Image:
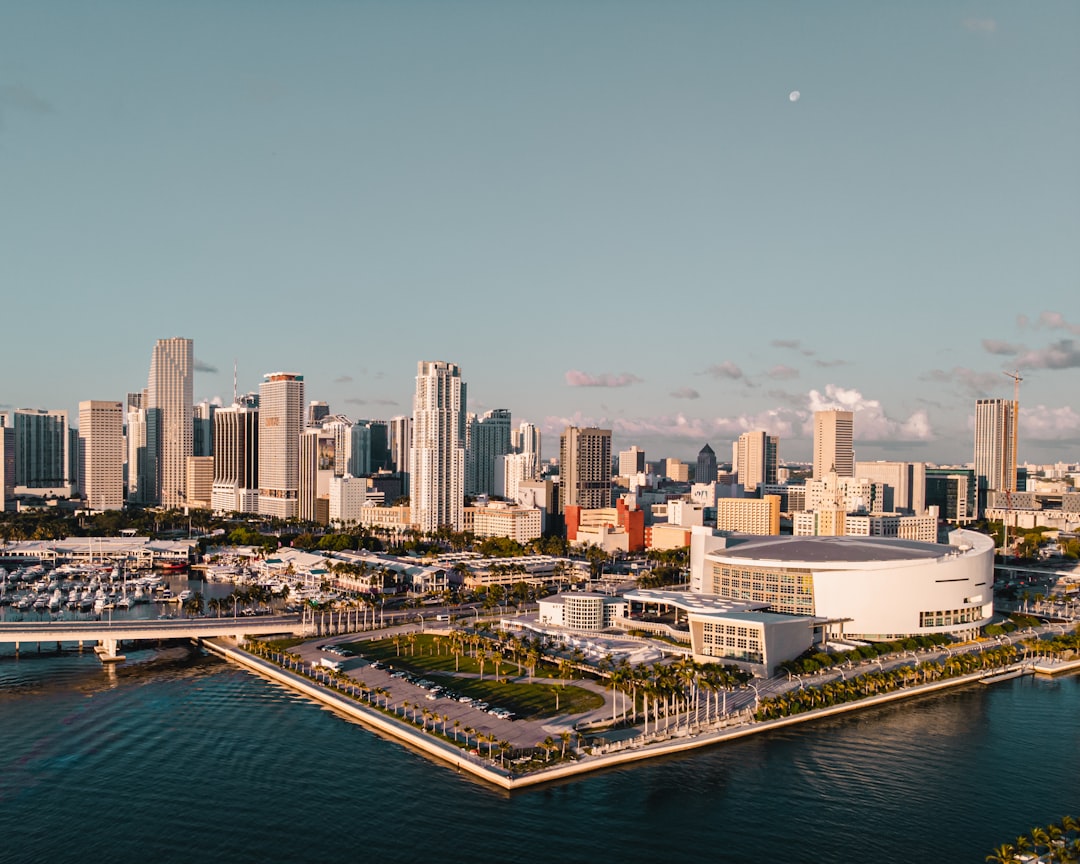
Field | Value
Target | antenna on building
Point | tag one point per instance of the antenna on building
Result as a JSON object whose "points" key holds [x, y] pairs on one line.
{"points": [[234, 396]]}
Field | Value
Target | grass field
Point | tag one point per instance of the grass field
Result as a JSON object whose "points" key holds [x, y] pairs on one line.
{"points": [[528, 701]]}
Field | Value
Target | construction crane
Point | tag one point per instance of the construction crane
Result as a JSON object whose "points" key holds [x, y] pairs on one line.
{"points": [[1010, 466]]}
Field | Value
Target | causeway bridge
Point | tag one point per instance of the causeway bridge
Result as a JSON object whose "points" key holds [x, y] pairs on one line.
{"points": [[108, 635]]}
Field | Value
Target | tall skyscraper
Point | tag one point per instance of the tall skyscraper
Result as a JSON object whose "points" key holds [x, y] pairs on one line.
{"points": [[318, 447], [488, 440], [756, 458], [42, 452], [585, 468], [101, 454], [995, 447], [169, 430], [438, 453], [705, 472], [834, 443], [281, 420], [236, 460]]}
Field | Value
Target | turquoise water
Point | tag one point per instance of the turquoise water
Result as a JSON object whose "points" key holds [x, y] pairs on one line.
{"points": [[180, 757]]}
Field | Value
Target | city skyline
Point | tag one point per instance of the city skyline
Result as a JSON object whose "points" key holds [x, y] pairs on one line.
{"points": [[889, 243]]}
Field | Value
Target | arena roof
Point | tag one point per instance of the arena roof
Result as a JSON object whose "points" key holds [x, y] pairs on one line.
{"points": [[835, 549]]}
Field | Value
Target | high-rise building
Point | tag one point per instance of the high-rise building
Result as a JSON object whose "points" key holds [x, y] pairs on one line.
{"points": [[318, 448], [42, 451], [138, 469], [631, 461], [281, 420], [756, 456], [316, 412], [399, 431], [169, 431], [101, 454], [834, 443], [7, 463], [953, 492], [488, 440], [236, 460], [202, 429], [995, 447], [677, 470], [585, 468], [200, 482], [705, 471], [437, 481]]}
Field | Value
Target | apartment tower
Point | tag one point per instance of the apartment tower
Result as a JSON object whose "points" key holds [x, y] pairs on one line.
{"points": [[585, 468], [169, 430], [437, 481], [834, 443], [281, 420], [101, 454]]}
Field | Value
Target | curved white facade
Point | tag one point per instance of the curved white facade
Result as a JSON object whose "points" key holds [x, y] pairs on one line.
{"points": [[886, 589]]}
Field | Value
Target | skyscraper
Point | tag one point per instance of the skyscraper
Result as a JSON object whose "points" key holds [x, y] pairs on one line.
{"points": [[281, 420], [202, 429], [585, 468], [488, 440], [705, 472], [631, 461], [236, 460], [42, 452], [438, 453], [995, 447], [169, 431], [101, 454], [7, 463], [756, 459], [834, 443]]}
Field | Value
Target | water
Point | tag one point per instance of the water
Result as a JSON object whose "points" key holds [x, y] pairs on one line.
{"points": [[180, 757]]}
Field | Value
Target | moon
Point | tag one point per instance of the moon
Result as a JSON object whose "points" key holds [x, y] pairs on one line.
{"points": [[794, 95]]}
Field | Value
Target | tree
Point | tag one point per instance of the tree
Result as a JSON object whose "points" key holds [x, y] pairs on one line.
{"points": [[1003, 854]]}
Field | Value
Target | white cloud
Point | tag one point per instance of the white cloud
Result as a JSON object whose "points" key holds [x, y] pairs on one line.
{"points": [[1005, 349], [1063, 354], [871, 421], [1056, 321], [577, 378], [1049, 424]]}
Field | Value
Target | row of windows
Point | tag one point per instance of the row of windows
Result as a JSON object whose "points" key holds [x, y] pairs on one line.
{"points": [[950, 617]]}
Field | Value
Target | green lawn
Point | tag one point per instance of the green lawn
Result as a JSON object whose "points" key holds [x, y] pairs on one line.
{"points": [[527, 700]]}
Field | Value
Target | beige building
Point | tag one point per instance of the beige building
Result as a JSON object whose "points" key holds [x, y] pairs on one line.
{"points": [[281, 420], [834, 443], [677, 470], [749, 515], [755, 455], [101, 457], [200, 481], [501, 519], [585, 468]]}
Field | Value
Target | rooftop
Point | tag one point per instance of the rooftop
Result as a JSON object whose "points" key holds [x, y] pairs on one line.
{"points": [[831, 549]]}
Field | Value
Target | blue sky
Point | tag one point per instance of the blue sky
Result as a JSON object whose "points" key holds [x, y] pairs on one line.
{"points": [[605, 212]]}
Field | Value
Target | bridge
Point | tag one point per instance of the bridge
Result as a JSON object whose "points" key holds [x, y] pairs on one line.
{"points": [[109, 634]]}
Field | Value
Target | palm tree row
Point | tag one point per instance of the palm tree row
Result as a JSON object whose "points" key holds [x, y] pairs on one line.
{"points": [[884, 681], [1058, 841]]}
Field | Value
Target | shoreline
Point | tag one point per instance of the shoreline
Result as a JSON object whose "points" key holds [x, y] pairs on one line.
{"points": [[676, 744]]}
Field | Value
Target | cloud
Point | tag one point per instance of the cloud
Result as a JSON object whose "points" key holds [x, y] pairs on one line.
{"points": [[343, 379], [971, 383], [782, 373], [1040, 423], [829, 364], [355, 400], [202, 366], [1056, 321], [384, 402], [686, 393], [1063, 354], [1005, 349], [727, 369], [980, 25], [871, 422], [576, 378], [793, 344]]}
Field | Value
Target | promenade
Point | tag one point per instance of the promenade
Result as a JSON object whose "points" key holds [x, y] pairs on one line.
{"points": [[738, 724]]}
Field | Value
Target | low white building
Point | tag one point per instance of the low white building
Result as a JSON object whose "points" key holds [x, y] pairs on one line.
{"points": [[348, 495], [502, 519], [582, 610]]}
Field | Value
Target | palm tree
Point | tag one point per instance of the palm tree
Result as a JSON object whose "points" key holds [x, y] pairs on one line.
{"points": [[565, 737], [1003, 854]]}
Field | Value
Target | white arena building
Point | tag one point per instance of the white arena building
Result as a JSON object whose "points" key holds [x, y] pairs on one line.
{"points": [[879, 588]]}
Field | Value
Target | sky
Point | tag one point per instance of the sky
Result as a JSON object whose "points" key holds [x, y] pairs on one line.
{"points": [[607, 212]]}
